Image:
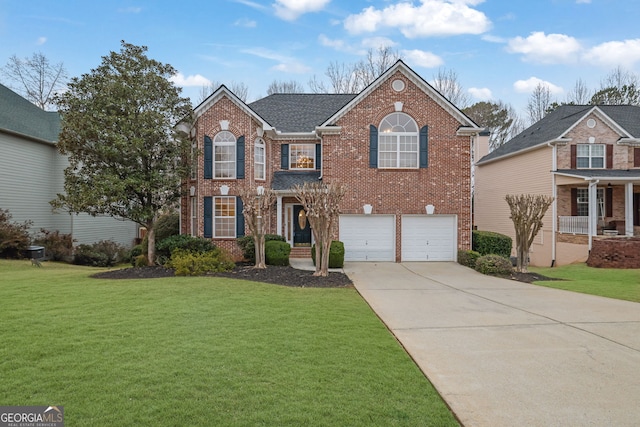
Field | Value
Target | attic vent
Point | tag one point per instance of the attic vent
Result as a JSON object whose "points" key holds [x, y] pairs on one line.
{"points": [[591, 123], [398, 85]]}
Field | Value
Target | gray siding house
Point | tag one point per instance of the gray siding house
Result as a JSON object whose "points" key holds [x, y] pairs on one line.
{"points": [[31, 174]]}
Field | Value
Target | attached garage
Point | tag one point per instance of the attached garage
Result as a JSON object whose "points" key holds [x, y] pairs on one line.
{"points": [[429, 238], [368, 237]]}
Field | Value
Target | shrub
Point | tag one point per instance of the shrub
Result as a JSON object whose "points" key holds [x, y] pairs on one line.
{"points": [[165, 248], [134, 253], [468, 258], [190, 263], [167, 225], [14, 237], [57, 246], [494, 265], [277, 252], [105, 253], [488, 242], [336, 254], [247, 245], [140, 261]]}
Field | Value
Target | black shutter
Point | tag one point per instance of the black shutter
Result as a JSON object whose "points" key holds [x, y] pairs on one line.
{"points": [[573, 156], [240, 158], [208, 217], [239, 217], [608, 201], [636, 157], [373, 146], [609, 156], [318, 156], [208, 158], [424, 146], [284, 156]]}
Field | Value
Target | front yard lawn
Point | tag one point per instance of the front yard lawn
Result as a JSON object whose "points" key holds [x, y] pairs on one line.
{"points": [[202, 351], [607, 282]]}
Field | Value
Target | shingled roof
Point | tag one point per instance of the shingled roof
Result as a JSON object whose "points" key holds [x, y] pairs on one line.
{"points": [[299, 112], [19, 116], [556, 123]]}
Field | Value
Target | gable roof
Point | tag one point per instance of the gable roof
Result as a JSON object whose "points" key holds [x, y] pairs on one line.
{"points": [[400, 66], [21, 117], [300, 112], [625, 119]]}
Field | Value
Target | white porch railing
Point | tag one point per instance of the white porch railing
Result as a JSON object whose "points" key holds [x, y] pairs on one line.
{"points": [[574, 224]]}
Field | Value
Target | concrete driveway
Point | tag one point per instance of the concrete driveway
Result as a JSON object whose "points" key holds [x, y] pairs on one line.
{"points": [[505, 353]]}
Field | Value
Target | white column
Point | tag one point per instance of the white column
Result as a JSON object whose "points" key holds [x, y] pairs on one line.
{"points": [[279, 216], [628, 209], [593, 210]]}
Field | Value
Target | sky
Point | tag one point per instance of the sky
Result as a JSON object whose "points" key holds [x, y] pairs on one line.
{"points": [[500, 50]]}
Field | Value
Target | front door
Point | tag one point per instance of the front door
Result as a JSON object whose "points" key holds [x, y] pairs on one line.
{"points": [[301, 227]]}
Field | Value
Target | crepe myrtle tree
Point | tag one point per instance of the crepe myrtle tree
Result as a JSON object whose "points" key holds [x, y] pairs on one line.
{"points": [[527, 211], [127, 154], [256, 205], [321, 203]]}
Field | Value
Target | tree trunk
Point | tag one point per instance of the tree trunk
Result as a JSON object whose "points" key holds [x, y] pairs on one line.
{"points": [[259, 243], [151, 241]]}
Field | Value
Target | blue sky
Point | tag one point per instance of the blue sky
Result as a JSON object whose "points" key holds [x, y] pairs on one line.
{"points": [[500, 49]]}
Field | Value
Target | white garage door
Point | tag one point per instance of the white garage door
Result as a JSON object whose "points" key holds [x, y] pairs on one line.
{"points": [[368, 237], [429, 238]]}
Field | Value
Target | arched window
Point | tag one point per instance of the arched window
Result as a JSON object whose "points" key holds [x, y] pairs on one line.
{"points": [[398, 142], [224, 158]]}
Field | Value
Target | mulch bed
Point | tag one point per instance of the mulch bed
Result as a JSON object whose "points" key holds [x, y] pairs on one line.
{"points": [[285, 276]]}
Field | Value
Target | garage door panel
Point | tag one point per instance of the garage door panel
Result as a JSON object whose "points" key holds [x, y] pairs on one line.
{"points": [[429, 238], [368, 237]]}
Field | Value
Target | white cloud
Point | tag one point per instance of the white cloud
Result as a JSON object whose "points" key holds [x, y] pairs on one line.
{"points": [[528, 86], [286, 63], [333, 43], [41, 41], [290, 10], [614, 53], [130, 9], [181, 80], [481, 93], [421, 58], [430, 18], [252, 4], [245, 22], [378, 42], [546, 49]]}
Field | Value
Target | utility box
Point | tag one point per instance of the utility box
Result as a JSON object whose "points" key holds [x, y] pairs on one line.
{"points": [[35, 252]]}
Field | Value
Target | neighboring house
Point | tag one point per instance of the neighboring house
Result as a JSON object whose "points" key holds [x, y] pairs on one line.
{"points": [[588, 159], [397, 147], [31, 175]]}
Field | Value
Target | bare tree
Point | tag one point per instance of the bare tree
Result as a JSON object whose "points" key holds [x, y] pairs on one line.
{"points": [[240, 90], [446, 82], [580, 94], [539, 102], [256, 204], [322, 205], [527, 211], [36, 78], [291, 86], [353, 78], [619, 77]]}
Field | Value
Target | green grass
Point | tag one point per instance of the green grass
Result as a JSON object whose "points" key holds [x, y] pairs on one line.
{"points": [[202, 352], [607, 282]]}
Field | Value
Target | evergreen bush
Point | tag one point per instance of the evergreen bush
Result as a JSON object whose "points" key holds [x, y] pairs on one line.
{"points": [[489, 242], [468, 258], [336, 254], [277, 252], [247, 245], [494, 265]]}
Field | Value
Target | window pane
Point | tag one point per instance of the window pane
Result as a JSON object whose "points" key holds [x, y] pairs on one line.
{"points": [[225, 217], [597, 162], [582, 150], [582, 162], [259, 159], [302, 156]]}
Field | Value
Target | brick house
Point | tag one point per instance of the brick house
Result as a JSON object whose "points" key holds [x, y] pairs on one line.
{"points": [[398, 147], [588, 158]]}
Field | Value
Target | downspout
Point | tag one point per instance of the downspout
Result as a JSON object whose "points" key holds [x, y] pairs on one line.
{"points": [[554, 205]]}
